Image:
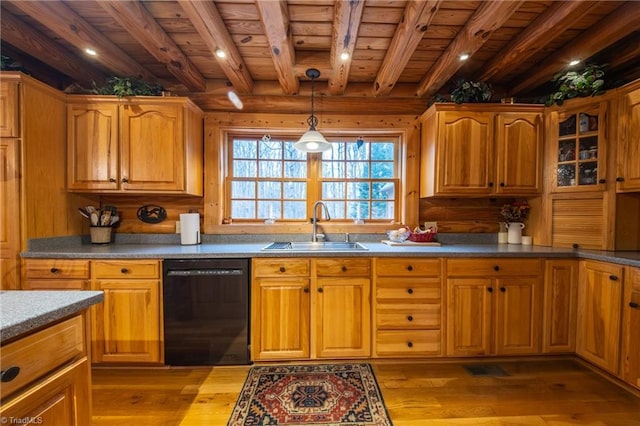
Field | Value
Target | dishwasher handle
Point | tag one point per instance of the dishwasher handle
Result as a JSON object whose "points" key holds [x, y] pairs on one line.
{"points": [[203, 272]]}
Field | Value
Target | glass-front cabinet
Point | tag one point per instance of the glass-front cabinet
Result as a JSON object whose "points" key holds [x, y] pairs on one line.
{"points": [[581, 146]]}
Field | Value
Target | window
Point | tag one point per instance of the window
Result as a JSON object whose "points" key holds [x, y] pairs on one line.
{"points": [[268, 178]]}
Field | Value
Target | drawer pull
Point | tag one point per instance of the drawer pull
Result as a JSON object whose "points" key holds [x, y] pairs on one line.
{"points": [[619, 179], [124, 270], [9, 374], [282, 269], [410, 344], [503, 289], [410, 290], [320, 290], [490, 289], [634, 305], [409, 268], [344, 269], [613, 277], [496, 268], [410, 318], [54, 270]]}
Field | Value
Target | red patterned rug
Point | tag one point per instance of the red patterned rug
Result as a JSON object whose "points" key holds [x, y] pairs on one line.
{"points": [[328, 395]]}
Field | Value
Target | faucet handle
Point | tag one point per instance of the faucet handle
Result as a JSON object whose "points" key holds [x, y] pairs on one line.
{"points": [[320, 237]]}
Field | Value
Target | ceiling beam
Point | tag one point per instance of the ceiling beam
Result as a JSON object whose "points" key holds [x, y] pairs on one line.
{"points": [[489, 16], [613, 27], [209, 24], [346, 22], [21, 36], [554, 21], [415, 21], [137, 21], [70, 26], [275, 21]]}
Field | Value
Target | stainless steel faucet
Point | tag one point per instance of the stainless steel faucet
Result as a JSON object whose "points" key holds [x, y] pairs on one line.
{"points": [[314, 219]]}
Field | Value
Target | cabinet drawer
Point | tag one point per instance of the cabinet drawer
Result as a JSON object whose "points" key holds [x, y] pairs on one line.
{"points": [[40, 353], [408, 316], [31, 284], [57, 268], [408, 267], [409, 342], [281, 267], [491, 267], [407, 290], [126, 269], [340, 267]]}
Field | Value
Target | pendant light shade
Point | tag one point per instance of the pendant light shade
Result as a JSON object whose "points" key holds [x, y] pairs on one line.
{"points": [[312, 140]]}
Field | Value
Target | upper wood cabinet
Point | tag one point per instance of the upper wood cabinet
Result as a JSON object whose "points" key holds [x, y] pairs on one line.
{"points": [[136, 145], [9, 109], [481, 150], [628, 173]]}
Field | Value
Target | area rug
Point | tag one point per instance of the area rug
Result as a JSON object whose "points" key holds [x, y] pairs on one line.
{"points": [[327, 395]]}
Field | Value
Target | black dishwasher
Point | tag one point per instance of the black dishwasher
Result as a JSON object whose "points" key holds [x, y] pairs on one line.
{"points": [[206, 311]]}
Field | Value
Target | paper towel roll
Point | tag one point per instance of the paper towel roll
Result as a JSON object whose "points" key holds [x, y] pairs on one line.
{"points": [[189, 228]]}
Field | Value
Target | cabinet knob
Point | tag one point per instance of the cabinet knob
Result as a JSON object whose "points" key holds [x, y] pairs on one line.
{"points": [[619, 179], [410, 344], [54, 270], [282, 269], [634, 305], [320, 290], [613, 277], [490, 289], [124, 270], [410, 318], [496, 268], [9, 374], [409, 268], [503, 289], [490, 184], [306, 289], [502, 184], [410, 290], [602, 181], [344, 269], [112, 180], [575, 245], [125, 180]]}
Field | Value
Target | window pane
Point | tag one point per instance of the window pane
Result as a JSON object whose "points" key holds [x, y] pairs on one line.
{"points": [[357, 170], [243, 209], [290, 153], [295, 210], [333, 190], [295, 190], [270, 149], [357, 210], [333, 170], [381, 210], [382, 151], [269, 209], [358, 191], [267, 189], [244, 149], [382, 170], [242, 168], [295, 169], [243, 189], [355, 152], [335, 153], [336, 209], [384, 191], [271, 169]]}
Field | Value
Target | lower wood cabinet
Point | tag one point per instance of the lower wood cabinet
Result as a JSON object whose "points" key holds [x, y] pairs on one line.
{"points": [[600, 313], [126, 327], [493, 306], [57, 274], [630, 363], [54, 385], [407, 316], [560, 306], [310, 308]]}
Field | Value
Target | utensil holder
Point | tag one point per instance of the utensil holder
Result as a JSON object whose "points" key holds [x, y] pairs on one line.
{"points": [[100, 234]]}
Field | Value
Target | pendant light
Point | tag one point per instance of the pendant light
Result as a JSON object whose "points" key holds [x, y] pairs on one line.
{"points": [[312, 140]]}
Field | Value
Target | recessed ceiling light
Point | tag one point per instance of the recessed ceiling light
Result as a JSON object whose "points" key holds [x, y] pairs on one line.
{"points": [[574, 62], [90, 51], [344, 56], [220, 53], [463, 56]]}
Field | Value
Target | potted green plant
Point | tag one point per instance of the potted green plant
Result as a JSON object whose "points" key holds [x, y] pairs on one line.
{"points": [[572, 84], [127, 86], [471, 91]]}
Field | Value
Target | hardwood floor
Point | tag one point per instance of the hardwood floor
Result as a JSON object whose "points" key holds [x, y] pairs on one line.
{"points": [[544, 392]]}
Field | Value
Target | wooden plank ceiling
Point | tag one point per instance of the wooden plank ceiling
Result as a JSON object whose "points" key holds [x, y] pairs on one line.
{"points": [[400, 53]]}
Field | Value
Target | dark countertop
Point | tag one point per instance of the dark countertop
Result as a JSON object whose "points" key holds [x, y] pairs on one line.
{"points": [[22, 311], [375, 249]]}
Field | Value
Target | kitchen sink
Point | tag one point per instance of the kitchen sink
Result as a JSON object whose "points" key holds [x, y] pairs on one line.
{"points": [[317, 246]]}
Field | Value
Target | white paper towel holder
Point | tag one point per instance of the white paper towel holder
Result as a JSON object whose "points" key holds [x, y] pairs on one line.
{"points": [[189, 228]]}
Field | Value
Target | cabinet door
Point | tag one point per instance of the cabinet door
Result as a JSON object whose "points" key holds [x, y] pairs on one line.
{"points": [[9, 110], [469, 303], [630, 365], [342, 319], [9, 214], [519, 153], [560, 299], [126, 326], [599, 314], [465, 153], [92, 146], [280, 318], [517, 316], [628, 176], [152, 147]]}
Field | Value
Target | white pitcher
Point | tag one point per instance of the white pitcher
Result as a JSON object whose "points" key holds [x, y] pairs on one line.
{"points": [[514, 230]]}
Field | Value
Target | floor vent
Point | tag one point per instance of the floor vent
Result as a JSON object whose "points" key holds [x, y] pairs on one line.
{"points": [[486, 370]]}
